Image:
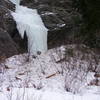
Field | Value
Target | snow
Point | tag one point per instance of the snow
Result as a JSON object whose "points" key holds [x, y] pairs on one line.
{"points": [[44, 78], [29, 21], [16, 2], [30, 94], [48, 13]]}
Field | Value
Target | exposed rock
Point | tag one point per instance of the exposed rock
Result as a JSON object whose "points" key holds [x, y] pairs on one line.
{"points": [[59, 17], [6, 4], [6, 21], [7, 29], [56, 14], [7, 46]]}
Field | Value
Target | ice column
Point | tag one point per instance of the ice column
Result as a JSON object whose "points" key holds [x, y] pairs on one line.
{"points": [[29, 21]]}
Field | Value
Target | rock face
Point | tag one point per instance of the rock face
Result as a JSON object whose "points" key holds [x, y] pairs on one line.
{"points": [[59, 17], [56, 14], [6, 20], [7, 27], [7, 46]]}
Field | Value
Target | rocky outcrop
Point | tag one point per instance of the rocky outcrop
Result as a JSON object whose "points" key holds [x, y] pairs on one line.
{"points": [[56, 14], [7, 26], [59, 17], [7, 46], [6, 20]]}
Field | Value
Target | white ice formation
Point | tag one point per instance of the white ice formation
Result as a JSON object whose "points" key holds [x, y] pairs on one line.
{"points": [[29, 21], [16, 2]]}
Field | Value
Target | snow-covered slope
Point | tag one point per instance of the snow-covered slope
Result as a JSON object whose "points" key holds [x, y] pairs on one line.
{"points": [[57, 74]]}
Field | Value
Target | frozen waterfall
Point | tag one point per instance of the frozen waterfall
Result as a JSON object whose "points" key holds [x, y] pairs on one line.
{"points": [[16, 2], [29, 21]]}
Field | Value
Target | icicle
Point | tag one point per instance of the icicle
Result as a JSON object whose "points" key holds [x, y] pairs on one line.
{"points": [[29, 21]]}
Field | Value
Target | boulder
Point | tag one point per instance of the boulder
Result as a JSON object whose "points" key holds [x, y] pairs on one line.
{"points": [[7, 46], [6, 20]]}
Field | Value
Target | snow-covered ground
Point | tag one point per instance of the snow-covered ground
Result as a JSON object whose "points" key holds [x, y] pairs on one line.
{"points": [[54, 75]]}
